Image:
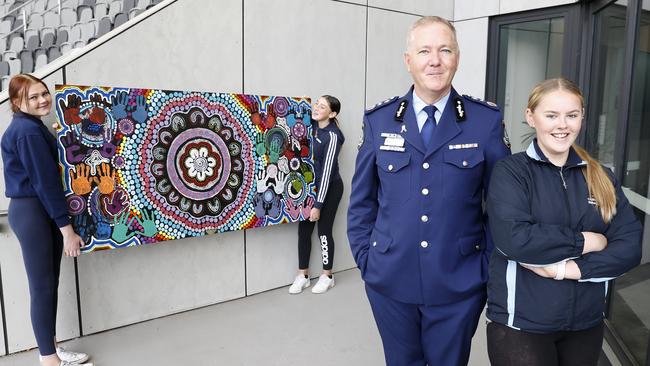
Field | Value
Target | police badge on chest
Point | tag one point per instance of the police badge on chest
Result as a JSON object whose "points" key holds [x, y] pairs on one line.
{"points": [[392, 142]]}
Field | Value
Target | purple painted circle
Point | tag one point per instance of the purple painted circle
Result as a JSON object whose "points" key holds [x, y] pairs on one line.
{"points": [[76, 205], [119, 162], [125, 126], [178, 182], [299, 130], [280, 106]]}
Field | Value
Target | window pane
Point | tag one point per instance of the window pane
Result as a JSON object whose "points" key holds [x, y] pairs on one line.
{"points": [[630, 307], [529, 53], [606, 75]]}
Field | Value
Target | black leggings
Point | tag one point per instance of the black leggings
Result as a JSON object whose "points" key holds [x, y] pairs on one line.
{"points": [[511, 347], [42, 246], [325, 224]]}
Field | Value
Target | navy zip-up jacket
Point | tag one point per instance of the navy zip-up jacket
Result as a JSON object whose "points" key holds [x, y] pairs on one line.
{"points": [[29, 156], [327, 144], [538, 212]]}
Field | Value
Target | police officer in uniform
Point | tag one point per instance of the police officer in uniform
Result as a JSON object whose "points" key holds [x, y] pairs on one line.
{"points": [[416, 225]]}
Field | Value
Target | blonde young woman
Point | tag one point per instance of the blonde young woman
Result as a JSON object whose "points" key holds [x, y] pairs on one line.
{"points": [[562, 228]]}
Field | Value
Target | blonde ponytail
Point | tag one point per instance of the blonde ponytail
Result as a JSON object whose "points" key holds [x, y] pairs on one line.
{"points": [[599, 185]]}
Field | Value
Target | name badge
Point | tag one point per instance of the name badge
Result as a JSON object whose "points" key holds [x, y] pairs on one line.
{"points": [[393, 139], [391, 148], [463, 146]]}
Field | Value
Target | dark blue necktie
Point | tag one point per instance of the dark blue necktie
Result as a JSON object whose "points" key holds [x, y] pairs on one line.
{"points": [[429, 126]]}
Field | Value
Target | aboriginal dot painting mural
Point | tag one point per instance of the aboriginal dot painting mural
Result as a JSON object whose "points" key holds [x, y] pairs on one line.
{"points": [[142, 165]]}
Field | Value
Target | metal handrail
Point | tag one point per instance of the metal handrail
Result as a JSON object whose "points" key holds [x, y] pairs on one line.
{"points": [[24, 17], [18, 8], [24, 26]]}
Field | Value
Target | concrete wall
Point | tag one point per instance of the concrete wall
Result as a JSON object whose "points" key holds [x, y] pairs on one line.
{"points": [[351, 49], [472, 40]]}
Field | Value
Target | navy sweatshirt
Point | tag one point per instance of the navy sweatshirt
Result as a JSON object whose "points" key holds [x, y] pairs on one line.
{"points": [[538, 212], [29, 155], [327, 145]]}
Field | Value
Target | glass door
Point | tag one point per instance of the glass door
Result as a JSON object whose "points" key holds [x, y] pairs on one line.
{"points": [[629, 311]]}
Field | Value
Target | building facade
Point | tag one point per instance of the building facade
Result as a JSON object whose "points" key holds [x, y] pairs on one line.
{"points": [[351, 49]]}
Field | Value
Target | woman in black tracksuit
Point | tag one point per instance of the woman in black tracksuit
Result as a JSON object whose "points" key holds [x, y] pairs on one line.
{"points": [[562, 228], [327, 142]]}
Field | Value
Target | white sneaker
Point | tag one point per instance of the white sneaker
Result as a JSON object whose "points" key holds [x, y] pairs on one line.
{"points": [[71, 357], [299, 284], [324, 283]]}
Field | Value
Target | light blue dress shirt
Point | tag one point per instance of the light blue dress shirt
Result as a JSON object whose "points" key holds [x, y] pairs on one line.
{"points": [[421, 115]]}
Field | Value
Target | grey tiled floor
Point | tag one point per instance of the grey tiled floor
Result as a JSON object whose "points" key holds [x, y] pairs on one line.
{"points": [[270, 329]]}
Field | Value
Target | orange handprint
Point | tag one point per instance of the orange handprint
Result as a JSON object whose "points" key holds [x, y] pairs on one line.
{"points": [[80, 179], [106, 179]]}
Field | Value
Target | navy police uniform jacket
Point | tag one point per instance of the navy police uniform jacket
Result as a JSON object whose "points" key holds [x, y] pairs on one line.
{"points": [[416, 225], [327, 144], [30, 161], [538, 212]]}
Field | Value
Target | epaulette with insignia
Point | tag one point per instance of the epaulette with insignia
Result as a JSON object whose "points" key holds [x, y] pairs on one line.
{"points": [[381, 104], [482, 102]]}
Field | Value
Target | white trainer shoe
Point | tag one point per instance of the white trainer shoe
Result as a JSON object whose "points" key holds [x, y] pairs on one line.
{"points": [[70, 356], [299, 284], [324, 283]]}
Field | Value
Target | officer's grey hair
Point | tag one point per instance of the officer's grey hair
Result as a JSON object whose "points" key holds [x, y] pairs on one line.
{"points": [[432, 19]]}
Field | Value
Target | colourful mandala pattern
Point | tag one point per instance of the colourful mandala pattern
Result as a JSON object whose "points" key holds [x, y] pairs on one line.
{"points": [[143, 165]]}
